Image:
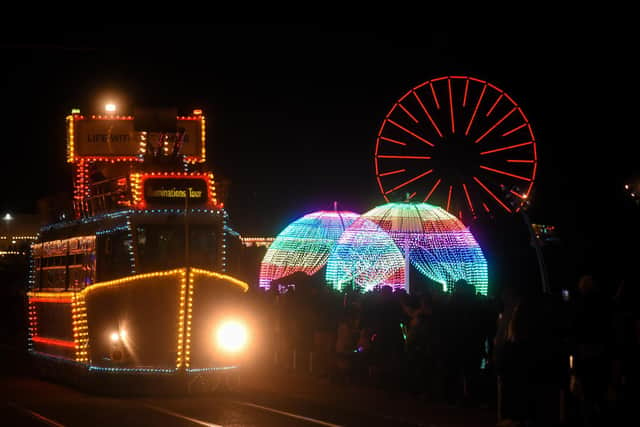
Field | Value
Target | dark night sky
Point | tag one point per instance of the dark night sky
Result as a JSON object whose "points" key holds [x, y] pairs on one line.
{"points": [[294, 111]]}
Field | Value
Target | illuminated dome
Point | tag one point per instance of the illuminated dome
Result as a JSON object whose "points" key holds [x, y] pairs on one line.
{"points": [[304, 245], [437, 243], [365, 257]]}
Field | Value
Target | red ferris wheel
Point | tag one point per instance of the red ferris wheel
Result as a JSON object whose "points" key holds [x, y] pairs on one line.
{"points": [[458, 142]]}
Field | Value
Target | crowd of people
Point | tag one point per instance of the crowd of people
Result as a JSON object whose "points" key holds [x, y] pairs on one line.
{"points": [[543, 359]]}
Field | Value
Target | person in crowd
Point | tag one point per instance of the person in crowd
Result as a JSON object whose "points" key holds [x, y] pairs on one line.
{"points": [[346, 345], [388, 341], [592, 341], [465, 337], [626, 352], [419, 358]]}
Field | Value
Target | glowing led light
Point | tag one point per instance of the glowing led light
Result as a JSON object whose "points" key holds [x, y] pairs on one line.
{"points": [[479, 113], [232, 336], [304, 245], [437, 243], [110, 107], [365, 257], [115, 337], [54, 342]]}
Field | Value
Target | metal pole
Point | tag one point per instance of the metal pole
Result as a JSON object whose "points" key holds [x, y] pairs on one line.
{"points": [[186, 228], [536, 244], [407, 265]]}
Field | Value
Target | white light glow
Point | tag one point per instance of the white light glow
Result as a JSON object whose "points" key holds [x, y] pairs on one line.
{"points": [[232, 336], [110, 107]]}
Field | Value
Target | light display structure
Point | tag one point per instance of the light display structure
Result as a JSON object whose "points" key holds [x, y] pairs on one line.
{"points": [[304, 245], [364, 258], [454, 141], [437, 243]]}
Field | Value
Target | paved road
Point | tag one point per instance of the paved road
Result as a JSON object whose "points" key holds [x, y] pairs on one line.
{"points": [[264, 400], [28, 401]]}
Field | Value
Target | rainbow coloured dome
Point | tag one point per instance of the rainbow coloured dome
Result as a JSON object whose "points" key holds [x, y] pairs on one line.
{"points": [[437, 243], [304, 245]]}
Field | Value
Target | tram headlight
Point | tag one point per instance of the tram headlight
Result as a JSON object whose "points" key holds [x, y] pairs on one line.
{"points": [[232, 336], [117, 336]]}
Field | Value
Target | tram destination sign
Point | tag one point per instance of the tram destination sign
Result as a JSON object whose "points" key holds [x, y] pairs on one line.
{"points": [[175, 191], [114, 137]]}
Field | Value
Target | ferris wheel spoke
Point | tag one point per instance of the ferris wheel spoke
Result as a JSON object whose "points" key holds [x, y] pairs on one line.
{"points": [[409, 181], [515, 193], [466, 193], [494, 105], [393, 172], [453, 123], [385, 156], [410, 133], [495, 125], [486, 208], [412, 195], [510, 147], [509, 132], [466, 91], [519, 161], [435, 97], [408, 113], [393, 140], [484, 187], [433, 189], [475, 110], [433, 123], [505, 173], [449, 198]]}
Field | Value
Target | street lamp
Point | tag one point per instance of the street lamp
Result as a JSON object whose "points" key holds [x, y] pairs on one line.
{"points": [[7, 220]]}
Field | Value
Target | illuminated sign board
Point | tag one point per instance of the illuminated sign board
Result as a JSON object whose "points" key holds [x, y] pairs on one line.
{"points": [[175, 191], [116, 137]]}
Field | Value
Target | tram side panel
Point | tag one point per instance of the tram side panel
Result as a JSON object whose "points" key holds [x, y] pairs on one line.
{"points": [[51, 328], [134, 323], [217, 300]]}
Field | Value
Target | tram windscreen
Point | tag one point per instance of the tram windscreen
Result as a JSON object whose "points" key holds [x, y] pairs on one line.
{"points": [[162, 247]]}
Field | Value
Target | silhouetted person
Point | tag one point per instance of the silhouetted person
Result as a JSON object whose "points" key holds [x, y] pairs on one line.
{"points": [[346, 344], [503, 355], [592, 340], [388, 342], [419, 344], [626, 352], [465, 336]]}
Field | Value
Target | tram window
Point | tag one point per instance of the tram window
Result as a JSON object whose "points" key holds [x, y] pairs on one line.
{"points": [[162, 247], [113, 256]]}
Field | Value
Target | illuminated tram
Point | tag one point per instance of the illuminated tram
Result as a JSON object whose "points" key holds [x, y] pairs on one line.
{"points": [[134, 286]]}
